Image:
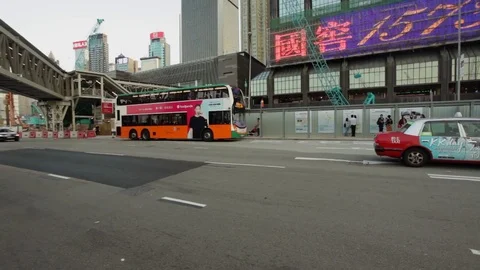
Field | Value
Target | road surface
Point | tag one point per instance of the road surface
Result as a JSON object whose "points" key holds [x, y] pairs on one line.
{"points": [[111, 204]]}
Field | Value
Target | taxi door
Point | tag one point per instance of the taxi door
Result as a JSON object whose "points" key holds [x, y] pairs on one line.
{"points": [[471, 131], [443, 139]]}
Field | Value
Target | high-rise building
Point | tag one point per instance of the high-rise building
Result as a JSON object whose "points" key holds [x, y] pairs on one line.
{"points": [[123, 63], [149, 63], [98, 53], [209, 28], [255, 16], [81, 55], [159, 48]]}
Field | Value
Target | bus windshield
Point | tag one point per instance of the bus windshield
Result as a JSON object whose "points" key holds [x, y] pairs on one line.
{"points": [[205, 112]]}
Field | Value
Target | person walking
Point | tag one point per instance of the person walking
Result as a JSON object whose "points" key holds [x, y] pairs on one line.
{"points": [[353, 124], [389, 123], [346, 127], [381, 123]]}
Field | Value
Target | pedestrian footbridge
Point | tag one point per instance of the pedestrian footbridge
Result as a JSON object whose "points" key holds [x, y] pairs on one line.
{"points": [[26, 71]]}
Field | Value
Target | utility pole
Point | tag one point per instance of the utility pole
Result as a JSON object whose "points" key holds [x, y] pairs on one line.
{"points": [[249, 18], [459, 52]]}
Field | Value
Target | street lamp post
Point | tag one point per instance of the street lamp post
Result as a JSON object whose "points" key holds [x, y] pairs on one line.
{"points": [[249, 68], [459, 45]]}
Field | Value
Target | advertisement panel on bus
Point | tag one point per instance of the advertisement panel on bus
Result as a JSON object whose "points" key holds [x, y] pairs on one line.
{"points": [[188, 119]]}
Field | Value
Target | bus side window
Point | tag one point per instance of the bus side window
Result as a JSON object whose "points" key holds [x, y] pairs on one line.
{"points": [[224, 93], [219, 117], [162, 119]]}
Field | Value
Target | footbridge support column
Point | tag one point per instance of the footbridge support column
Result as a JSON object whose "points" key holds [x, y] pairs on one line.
{"points": [[54, 112]]}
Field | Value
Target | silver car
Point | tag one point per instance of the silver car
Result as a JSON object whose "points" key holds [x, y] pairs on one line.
{"points": [[7, 133]]}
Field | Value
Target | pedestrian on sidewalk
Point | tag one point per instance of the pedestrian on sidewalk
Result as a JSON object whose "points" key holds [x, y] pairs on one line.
{"points": [[346, 127], [380, 123], [353, 124], [389, 123]]}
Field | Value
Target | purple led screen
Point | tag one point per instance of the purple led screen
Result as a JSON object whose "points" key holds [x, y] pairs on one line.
{"points": [[409, 24]]}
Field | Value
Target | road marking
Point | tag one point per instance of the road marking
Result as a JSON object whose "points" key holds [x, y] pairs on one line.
{"points": [[58, 176], [363, 143], [475, 252], [199, 147], [108, 154], [364, 162], [328, 159], [344, 148], [245, 164], [265, 141], [375, 162], [454, 177], [200, 205]]}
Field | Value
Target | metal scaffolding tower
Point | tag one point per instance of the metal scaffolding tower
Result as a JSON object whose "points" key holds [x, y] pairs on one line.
{"points": [[326, 78]]}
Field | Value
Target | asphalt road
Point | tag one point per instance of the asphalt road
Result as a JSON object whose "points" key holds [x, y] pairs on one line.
{"points": [[250, 205]]}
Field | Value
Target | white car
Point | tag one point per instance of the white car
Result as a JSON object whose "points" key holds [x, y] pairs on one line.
{"points": [[7, 133]]}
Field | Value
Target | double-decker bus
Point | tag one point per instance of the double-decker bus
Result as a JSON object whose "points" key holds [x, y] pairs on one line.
{"points": [[210, 112]]}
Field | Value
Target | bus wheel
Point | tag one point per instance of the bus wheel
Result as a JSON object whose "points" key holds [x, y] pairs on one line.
{"points": [[133, 135], [145, 135], [207, 135]]}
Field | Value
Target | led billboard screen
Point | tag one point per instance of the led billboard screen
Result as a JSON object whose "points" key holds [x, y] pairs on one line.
{"points": [[409, 24]]}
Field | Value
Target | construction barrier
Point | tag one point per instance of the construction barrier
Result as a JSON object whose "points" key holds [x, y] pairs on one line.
{"points": [[57, 134]]}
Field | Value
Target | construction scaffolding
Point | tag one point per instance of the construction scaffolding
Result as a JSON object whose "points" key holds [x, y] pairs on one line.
{"points": [[325, 77]]}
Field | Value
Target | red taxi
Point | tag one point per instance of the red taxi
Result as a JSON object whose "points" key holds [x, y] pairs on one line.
{"points": [[424, 140]]}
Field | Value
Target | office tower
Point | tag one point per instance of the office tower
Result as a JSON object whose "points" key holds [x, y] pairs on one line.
{"points": [[98, 53], [209, 28], [159, 48], [255, 15], [126, 64]]}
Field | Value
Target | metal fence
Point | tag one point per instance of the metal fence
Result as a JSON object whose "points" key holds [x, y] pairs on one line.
{"points": [[327, 122]]}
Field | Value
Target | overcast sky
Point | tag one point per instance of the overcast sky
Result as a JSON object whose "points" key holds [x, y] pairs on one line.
{"points": [[53, 25]]}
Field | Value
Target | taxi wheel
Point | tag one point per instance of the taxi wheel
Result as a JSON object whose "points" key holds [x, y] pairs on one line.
{"points": [[415, 157]]}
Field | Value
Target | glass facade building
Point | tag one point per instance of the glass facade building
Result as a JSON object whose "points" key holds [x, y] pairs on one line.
{"points": [[368, 53], [254, 15], [98, 53], [209, 28], [159, 48]]}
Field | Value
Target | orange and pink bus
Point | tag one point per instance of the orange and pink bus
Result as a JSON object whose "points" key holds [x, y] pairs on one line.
{"points": [[209, 112]]}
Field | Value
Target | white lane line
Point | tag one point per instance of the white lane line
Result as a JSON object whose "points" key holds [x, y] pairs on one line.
{"points": [[58, 176], [454, 177], [201, 205], [363, 143], [375, 162], [475, 252], [344, 148], [328, 159], [245, 164], [364, 162], [108, 154]]}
